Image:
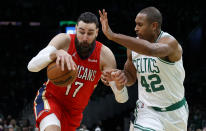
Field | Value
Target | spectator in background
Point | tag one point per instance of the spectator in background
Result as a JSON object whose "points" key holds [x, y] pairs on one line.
{"points": [[1, 124], [9, 117], [26, 125], [203, 125], [83, 128], [1, 115], [97, 128], [5, 124], [13, 125]]}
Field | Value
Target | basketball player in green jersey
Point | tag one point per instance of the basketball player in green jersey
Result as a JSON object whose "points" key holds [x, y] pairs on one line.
{"points": [[154, 58]]}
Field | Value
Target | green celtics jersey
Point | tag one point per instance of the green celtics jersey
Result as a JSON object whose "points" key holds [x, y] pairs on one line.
{"points": [[160, 83]]}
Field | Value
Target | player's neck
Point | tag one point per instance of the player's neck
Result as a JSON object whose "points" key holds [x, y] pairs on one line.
{"points": [[156, 36]]}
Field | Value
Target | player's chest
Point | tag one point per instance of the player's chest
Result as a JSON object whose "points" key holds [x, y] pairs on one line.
{"points": [[146, 65]]}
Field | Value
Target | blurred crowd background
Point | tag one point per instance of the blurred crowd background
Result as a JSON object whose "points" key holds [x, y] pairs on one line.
{"points": [[26, 26]]}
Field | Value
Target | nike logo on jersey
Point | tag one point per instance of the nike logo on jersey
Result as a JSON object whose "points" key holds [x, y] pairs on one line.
{"points": [[92, 60]]}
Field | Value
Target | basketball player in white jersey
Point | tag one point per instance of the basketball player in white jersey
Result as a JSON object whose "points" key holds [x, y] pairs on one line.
{"points": [[155, 59]]}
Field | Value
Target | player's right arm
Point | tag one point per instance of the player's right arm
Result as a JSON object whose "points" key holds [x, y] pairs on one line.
{"points": [[119, 79], [55, 50], [123, 77], [117, 82], [129, 69]]}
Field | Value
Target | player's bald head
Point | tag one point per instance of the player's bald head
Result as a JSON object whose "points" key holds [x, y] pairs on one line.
{"points": [[153, 15]]}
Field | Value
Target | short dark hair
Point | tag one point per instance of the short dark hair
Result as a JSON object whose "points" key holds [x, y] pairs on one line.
{"points": [[153, 15], [88, 17]]}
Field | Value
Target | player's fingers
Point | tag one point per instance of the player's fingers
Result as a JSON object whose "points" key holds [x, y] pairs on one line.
{"points": [[70, 63], [103, 74], [103, 12], [67, 62], [100, 13], [113, 75], [62, 63], [120, 77], [105, 77], [106, 73], [73, 65], [57, 61], [105, 82], [116, 73], [122, 81]]}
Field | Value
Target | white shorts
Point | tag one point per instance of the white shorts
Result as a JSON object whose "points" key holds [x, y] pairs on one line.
{"points": [[147, 119], [49, 120]]}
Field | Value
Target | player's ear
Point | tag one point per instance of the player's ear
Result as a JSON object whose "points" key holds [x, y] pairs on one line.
{"points": [[155, 25]]}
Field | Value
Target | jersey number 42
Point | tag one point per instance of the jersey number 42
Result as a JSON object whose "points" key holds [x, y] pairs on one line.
{"points": [[154, 85]]}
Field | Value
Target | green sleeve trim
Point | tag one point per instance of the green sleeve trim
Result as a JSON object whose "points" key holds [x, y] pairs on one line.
{"points": [[143, 128], [166, 62]]}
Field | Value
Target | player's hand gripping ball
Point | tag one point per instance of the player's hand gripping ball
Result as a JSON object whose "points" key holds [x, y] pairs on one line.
{"points": [[59, 77]]}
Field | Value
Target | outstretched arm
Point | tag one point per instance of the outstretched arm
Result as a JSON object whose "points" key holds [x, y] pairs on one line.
{"points": [[167, 46]]}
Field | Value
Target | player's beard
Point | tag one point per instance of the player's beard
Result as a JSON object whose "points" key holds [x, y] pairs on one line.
{"points": [[84, 49]]}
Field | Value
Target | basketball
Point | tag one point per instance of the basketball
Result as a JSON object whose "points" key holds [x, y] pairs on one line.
{"points": [[59, 77]]}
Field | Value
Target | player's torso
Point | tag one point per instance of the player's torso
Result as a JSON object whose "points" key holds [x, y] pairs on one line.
{"points": [[77, 95], [160, 83]]}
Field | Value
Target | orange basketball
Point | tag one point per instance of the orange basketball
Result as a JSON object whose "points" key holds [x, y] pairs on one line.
{"points": [[59, 77]]}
